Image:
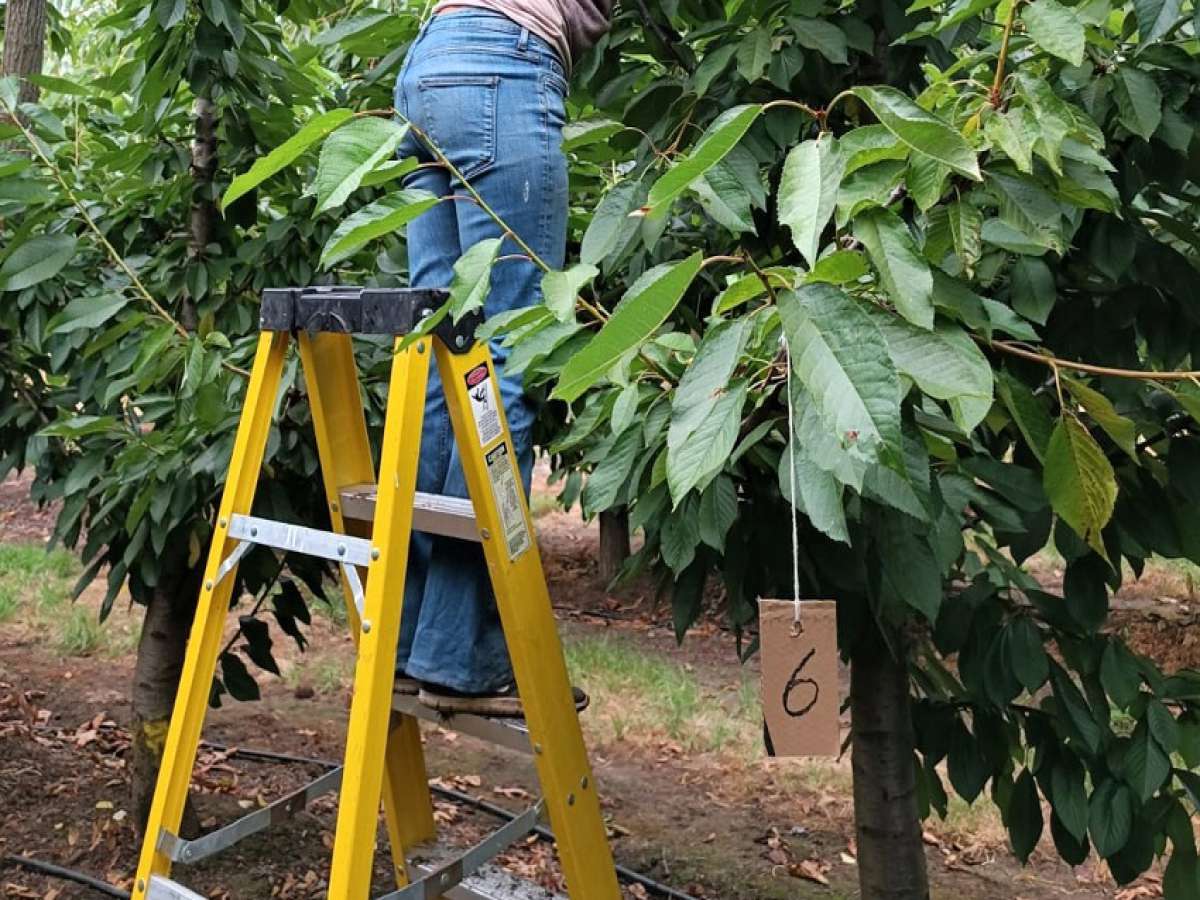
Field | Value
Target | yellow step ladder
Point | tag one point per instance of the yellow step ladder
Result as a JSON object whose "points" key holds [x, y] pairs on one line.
{"points": [[372, 520]]}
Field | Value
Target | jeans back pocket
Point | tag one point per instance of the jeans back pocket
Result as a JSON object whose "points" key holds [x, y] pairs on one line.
{"points": [[460, 118]]}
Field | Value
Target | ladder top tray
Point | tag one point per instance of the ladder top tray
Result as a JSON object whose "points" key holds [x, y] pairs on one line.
{"points": [[348, 310]]}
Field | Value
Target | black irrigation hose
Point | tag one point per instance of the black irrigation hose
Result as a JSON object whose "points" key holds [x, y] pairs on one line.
{"points": [[656, 887], [45, 868]]}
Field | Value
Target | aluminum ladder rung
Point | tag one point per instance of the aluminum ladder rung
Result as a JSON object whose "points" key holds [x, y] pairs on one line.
{"points": [[181, 851], [453, 872], [432, 513], [338, 548], [165, 889], [510, 733]]}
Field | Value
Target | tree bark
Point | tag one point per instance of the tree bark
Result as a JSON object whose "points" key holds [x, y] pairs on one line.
{"points": [[156, 673], [24, 43], [204, 210], [614, 542], [891, 854]]}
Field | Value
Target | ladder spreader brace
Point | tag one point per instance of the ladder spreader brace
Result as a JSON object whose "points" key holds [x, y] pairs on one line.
{"points": [[372, 518]]}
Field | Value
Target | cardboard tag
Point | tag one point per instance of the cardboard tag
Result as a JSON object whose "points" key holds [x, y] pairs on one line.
{"points": [[801, 696]]}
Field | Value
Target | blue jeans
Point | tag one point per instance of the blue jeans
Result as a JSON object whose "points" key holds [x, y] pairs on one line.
{"points": [[490, 95]]}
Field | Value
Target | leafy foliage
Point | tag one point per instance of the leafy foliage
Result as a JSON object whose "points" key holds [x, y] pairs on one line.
{"points": [[943, 210]]}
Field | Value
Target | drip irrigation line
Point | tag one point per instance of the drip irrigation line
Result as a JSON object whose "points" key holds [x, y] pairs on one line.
{"points": [[627, 874], [103, 887], [45, 868]]}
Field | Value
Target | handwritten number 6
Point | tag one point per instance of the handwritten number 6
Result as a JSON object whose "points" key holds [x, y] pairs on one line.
{"points": [[794, 682]]}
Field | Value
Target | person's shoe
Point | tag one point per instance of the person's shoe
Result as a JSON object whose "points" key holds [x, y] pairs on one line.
{"points": [[502, 703], [405, 685]]}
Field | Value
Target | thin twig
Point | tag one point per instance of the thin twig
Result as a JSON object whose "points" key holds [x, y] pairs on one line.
{"points": [[998, 82], [1055, 362]]}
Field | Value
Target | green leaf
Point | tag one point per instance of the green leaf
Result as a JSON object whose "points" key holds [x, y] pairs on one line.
{"points": [[1162, 725], [753, 54], [1155, 18], [1030, 414], [1032, 289], [237, 678], [285, 154], [748, 287], [1145, 766], [634, 320], [583, 132], [841, 357], [1024, 814], [1181, 880], [1078, 714], [808, 191], [679, 537], [945, 364], [823, 36], [625, 409], [1028, 657], [473, 277], [1012, 131], [611, 475], [909, 571], [839, 267], [718, 511], [382, 217], [86, 312], [1119, 676], [966, 231], [1079, 481], [921, 130], [720, 137], [817, 494], [1029, 208], [1068, 795], [1139, 101], [1056, 29], [38, 259], [350, 154], [903, 271], [611, 225], [1100, 408], [926, 181], [693, 463], [560, 290], [389, 171]]}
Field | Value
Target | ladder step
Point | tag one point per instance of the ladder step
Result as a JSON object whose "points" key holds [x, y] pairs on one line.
{"points": [[165, 889], [339, 548], [510, 733], [432, 513], [181, 851], [445, 876]]}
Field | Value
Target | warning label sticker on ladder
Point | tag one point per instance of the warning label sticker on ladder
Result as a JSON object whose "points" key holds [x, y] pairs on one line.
{"points": [[485, 404], [506, 485]]}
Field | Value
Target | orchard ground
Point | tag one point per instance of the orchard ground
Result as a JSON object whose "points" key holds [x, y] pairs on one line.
{"points": [[674, 734]]}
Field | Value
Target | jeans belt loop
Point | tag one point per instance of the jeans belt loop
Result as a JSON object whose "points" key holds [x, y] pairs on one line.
{"points": [[523, 40]]}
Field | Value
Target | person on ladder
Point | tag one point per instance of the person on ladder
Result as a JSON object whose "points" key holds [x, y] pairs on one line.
{"points": [[486, 80]]}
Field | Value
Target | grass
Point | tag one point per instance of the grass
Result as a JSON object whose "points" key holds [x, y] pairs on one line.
{"points": [[35, 590], [640, 696]]}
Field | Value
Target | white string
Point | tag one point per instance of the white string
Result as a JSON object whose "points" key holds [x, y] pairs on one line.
{"points": [[792, 477]]}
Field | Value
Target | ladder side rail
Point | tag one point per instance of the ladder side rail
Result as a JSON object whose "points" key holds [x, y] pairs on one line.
{"points": [[204, 641], [367, 739], [515, 567], [344, 449]]}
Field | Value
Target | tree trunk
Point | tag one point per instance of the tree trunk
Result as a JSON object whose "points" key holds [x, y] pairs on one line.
{"points": [[891, 854], [204, 210], [24, 43], [614, 542], [155, 681]]}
